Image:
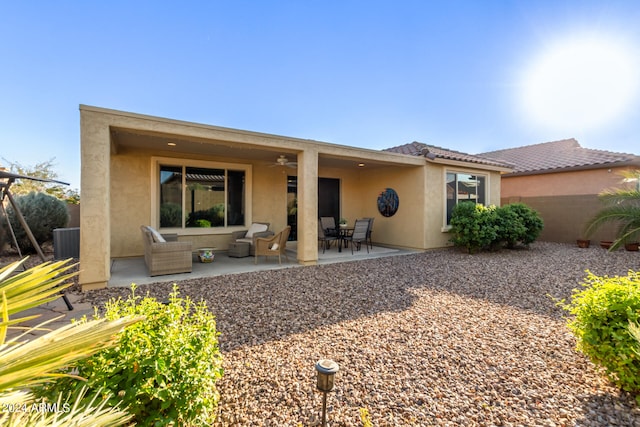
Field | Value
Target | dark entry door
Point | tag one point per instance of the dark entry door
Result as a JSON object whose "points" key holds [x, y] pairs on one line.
{"points": [[329, 198]]}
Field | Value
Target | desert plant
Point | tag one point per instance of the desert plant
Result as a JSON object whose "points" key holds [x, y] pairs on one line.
{"points": [[27, 363], [473, 226], [43, 213], [164, 368], [622, 207], [602, 312]]}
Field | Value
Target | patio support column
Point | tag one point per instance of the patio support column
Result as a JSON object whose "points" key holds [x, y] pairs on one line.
{"points": [[95, 225], [308, 206]]}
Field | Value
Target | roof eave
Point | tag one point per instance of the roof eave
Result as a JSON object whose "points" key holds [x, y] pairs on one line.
{"points": [[459, 163], [635, 163]]}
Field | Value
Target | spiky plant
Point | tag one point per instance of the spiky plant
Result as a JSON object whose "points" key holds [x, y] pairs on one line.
{"points": [[622, 207], [25, 363]]}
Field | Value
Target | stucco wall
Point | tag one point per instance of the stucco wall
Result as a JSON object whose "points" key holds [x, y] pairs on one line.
{"points": [[560, 184], [407, 227], [130, 201], [566, 201]]}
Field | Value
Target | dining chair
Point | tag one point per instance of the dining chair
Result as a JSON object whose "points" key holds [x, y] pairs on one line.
{"points": [[324, 238], [369, 231], [359, 234], [329, 225]]}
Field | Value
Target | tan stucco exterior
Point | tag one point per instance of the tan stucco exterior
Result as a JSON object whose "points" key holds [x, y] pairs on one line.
{"points": [[121, 153]]}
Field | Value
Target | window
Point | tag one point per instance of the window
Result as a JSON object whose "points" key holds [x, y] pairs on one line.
{"points": [[201, 197], [464, 187]]}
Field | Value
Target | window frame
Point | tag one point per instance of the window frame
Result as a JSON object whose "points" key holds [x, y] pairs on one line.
{"points": [[487, 177], [184, 163]]}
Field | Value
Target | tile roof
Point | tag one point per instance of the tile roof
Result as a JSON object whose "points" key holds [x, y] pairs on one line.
{"points": [[559, 155], [420, 149]]}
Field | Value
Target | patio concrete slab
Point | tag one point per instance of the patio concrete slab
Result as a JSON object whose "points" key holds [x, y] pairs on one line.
{"points": [[125, 271]]}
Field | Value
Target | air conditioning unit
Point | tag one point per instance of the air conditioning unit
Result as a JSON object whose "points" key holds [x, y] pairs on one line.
{"points": [[66, 243]]}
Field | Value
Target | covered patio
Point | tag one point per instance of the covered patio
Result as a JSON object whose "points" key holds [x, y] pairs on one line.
{"points": [[202, 183], [125, 271]]}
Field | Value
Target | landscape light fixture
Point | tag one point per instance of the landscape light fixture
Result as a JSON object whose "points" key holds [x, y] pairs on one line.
{"points": [[326, 369]]}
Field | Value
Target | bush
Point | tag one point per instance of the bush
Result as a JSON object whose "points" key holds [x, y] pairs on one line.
{"points": [[603, 312], [164, 368], [473, 226], [476, 227], [510, 226], [43, 213], [531, 220]]}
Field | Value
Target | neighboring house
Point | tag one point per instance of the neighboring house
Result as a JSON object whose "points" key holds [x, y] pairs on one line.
{"points": [[562, 180], [154, 171]]}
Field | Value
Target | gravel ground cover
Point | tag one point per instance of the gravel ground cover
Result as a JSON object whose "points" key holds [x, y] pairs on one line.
{"points": [[437, 338]]}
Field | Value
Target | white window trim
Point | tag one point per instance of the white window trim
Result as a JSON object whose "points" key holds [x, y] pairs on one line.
{"points": [[446, 227], [182, 162]]}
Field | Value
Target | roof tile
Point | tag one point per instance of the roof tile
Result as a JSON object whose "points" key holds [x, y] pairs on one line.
{"points": [[420, 149], [558, 155]]}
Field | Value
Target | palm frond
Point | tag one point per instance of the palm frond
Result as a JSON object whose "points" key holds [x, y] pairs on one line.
{"points": [[33, 362], [34, 287], [612, 197], [64, 413]]}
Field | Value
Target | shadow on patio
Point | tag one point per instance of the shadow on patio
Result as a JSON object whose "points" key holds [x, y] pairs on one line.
{"points": [[125, 271]]}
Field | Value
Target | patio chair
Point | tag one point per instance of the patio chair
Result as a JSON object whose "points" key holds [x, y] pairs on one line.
{"points": [[275, 245], [359, 234], [329, 226], [369, 231], [256, 230], [325, 238], [162, 257]]}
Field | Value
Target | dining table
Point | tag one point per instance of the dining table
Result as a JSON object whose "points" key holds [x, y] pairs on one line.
{"points": [[343, 233]]}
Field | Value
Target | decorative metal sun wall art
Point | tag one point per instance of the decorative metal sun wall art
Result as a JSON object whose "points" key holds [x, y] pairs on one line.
{"points": [[388, 202]]}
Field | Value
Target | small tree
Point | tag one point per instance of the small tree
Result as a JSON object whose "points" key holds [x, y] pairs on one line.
{"points": [[43, 213], [42, 170]]}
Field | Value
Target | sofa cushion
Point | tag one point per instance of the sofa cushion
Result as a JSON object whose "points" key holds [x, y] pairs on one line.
{"points": [[157, 237], [255, 228]]}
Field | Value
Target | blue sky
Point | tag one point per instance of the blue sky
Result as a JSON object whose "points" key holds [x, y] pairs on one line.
{"points": [[472, 76]]}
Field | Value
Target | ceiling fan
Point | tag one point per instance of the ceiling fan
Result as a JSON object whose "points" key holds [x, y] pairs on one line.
{"points": [[283, 161]]}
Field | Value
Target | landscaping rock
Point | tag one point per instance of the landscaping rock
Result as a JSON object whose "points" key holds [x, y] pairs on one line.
{"points": [[438, 338]]}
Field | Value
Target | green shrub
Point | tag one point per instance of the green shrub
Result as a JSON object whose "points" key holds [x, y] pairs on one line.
{"points": [[164, 368], [203, 223], [530, 219], [43, 213], [602, 314], [473, 226], [170, 215], [476, 227], [510, 227]]}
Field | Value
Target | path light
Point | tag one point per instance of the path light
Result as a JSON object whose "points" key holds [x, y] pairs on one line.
{"points": [[326, 374]]}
